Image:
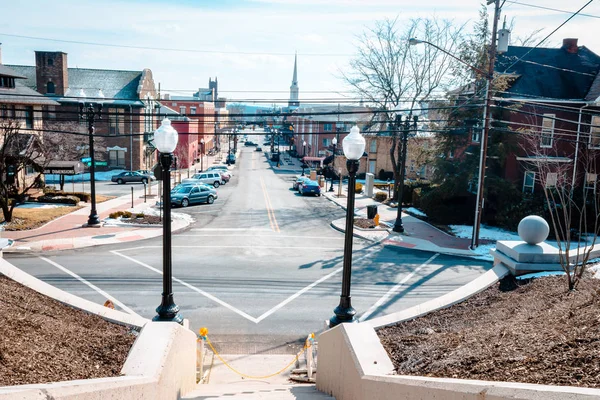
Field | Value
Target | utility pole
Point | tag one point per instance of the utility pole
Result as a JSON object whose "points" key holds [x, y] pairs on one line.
{"points": [[486, 128]]}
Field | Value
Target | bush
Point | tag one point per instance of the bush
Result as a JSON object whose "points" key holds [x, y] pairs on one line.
{"points": [[86, 197], [59, 199], [409, 188], [381, 196], [139, 215], [117, 214], [358, 187], [385, 175], [446, 210]]}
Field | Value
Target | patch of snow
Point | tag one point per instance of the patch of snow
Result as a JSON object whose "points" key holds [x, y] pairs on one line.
{"points": [[540, 274], [98, 175], [415, 211], [42, 205], [483, 252], [485, 232]]}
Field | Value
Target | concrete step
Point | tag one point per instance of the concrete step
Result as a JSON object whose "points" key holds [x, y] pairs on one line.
{"points": [[257, 391]]}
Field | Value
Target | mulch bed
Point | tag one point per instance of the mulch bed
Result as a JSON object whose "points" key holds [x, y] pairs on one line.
{"points": [[147, 220], [534, 332], [364, 223], [42, 340]]}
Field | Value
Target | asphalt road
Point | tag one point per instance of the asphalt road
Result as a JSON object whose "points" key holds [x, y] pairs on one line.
{"points": [[261, 267]]}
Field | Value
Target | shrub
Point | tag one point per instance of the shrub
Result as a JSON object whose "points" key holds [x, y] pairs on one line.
{"points": [[381, 196], [444, 209], [59, 199], [409, 188], [358, 187], [139, 215], [117, 214], [86, 197], [386, 175]]}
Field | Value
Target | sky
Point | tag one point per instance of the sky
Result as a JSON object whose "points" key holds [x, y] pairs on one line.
{"points": [[248, 44]]}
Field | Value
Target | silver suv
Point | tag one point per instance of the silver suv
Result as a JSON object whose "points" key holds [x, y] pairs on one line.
{"points": [[209, 178]]}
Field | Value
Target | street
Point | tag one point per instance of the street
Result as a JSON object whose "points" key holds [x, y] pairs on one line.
{"points": [[261, 267]]}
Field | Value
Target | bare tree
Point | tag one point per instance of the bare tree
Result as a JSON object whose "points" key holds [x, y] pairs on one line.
{"points": [[391, 74], [19, 154], [574, 212]]}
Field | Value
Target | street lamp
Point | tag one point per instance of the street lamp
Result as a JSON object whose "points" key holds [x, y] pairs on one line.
{"points": [[334, 143], [165, 139], [304, 146], [89, 114], [406, 127], [354, 147], [201, 154], [487, 115]]}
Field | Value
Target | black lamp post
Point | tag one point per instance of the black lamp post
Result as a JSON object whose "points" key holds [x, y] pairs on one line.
{"points": [[165, 139], [201, 154], [405, 126], [334, 143], [304, 148], [89, 114], [354, 147]]}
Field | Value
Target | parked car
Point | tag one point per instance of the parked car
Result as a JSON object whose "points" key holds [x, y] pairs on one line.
{"points": [[310, 187], [221, 167], [226, 176], [145, 172], [299, 181], [184, 195], [128, 177], [230, 158], [209, 177], [275, 157], [258, 148], [249, 143]]}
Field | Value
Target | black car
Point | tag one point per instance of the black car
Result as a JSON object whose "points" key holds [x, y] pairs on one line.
{"points": [[249, 143], [275, 157]]}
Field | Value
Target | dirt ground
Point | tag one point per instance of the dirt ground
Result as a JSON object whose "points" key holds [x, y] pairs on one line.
{"points": [[42, 340], [31, 218], [533, 332]]}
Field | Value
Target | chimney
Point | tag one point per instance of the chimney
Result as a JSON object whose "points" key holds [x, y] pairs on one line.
{"points": [[570, 45]]}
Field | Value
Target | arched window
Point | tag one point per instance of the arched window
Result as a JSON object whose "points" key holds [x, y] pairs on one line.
{"points": [[50, 87]]}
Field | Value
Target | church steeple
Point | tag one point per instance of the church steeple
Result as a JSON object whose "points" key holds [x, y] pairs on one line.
{"points": [[294, 88]]}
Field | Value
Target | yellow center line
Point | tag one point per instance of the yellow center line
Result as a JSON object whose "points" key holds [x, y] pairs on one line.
{"points": [[270, 210], [266, 202]]}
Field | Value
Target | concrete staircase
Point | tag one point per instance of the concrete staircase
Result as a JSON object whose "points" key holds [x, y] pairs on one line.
{"points": [[257, 391]]}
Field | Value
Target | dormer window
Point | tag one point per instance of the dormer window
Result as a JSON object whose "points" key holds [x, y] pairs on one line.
{"points": [[7, 82], [50, 88]]}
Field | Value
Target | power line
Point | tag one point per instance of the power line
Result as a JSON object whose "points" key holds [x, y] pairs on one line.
{"points": [[171, 49], [550, 34], [550, 9]]}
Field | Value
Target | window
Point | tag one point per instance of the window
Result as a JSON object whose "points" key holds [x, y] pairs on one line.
{"points": [[51, 111], [595, 132], [373, 146], [29, 117], [475, 135], [372, 166], [50, 88], [116, 122], [326, 142], [7, 82], [3, 111], [195, 190], [29, 170], [182, 110], [50, 61], [328, 127], [551, 179], [590, 182], [528, 182], [116, 158], [547, 130], [193, 110]]}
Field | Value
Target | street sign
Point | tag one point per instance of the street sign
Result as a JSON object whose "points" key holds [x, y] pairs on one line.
{"points": [[97, 163], [86, 159]]}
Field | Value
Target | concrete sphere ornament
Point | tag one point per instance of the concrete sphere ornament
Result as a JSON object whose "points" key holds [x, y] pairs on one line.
{"points": [[533, 229]]}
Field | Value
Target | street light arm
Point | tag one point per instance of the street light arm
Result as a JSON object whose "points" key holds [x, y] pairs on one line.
{"points": [[414, 42]]}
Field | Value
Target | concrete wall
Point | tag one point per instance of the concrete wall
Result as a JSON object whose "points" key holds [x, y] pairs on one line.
{"points": [[161, 365], [353, 365]]}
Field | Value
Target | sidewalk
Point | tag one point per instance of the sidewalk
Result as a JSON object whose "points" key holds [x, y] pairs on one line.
{"points": [[418, 234], [68, 231]]}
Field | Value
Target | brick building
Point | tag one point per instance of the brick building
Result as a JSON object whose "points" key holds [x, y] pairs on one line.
{"points": [[128, 98]]}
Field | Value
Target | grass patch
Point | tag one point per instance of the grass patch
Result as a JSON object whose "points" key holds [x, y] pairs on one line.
{"points": [[101, 198], [31, 218]]}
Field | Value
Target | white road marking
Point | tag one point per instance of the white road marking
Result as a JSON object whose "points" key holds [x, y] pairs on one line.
{"points": [[202, 292], [306, 289], [267, 236], [231, 229], [97, 289], [234, 247], [229, 306], [395, 289]]}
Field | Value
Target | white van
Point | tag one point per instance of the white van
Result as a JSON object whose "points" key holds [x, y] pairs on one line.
{"points": [[209, 178]]}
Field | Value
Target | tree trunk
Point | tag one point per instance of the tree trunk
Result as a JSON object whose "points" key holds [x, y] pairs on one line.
{"points": [[7, 212]]}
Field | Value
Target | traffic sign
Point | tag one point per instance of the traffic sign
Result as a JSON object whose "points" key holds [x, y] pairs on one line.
{"points": [[86, 159]]}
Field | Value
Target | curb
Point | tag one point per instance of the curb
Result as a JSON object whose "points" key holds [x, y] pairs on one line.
{"points": [[354, 233]]}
